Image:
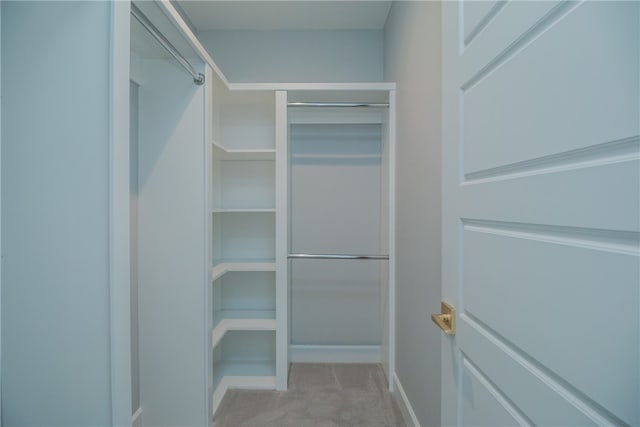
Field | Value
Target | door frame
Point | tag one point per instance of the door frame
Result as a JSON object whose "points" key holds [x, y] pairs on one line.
{"points": [[119, 223]]}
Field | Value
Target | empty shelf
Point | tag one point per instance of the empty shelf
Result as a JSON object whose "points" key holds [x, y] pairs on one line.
{"points": [[233, 210], [223, 153], [242, 324], [224, 267]]}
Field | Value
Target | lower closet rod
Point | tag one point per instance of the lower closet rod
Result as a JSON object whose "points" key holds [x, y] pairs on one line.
{"points": [[335, 256], [338, 104]]}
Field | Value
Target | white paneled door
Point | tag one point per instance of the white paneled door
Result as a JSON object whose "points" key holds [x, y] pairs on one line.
{"points": [[541, 214]]}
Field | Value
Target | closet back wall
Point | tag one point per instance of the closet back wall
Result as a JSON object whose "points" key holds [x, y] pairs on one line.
{"points": [[335, 204], [297, 56]]}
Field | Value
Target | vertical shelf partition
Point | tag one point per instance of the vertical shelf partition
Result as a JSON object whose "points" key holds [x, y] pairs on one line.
{"points": [[243, 246]]}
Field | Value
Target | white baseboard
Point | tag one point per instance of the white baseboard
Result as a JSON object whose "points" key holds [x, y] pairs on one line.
{"points": [[136, 418], [403, 403], [334, 354], [243, 382]]}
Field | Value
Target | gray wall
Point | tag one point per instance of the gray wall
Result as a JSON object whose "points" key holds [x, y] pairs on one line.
{"points": [[297, 56], [55, 206], [412, 59], [335, 198]]}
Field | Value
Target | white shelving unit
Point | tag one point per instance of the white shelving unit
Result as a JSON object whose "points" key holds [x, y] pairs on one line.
{"points": [[250, 337], [243, 216]]}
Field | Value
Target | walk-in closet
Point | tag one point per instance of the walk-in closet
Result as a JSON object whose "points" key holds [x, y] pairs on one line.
{"points": [[221, 213], [243, 226], [263, 225]]}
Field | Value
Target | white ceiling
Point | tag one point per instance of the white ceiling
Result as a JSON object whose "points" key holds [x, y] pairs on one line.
{"points": [[206, 15]]}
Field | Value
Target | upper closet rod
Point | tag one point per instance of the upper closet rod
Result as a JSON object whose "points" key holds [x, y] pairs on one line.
{"points": [[335, 256], [338, 104], [198, 78]]}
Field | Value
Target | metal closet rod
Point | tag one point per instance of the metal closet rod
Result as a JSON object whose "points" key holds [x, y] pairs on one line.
{"points": [[198, 78], [338, 104], [335, 256]]}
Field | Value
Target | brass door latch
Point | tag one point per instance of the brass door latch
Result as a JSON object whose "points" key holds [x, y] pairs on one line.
{"points": [[446, 320]]}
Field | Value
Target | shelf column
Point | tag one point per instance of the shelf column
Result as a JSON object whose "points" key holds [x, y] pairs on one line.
{"points": [[282, 238]]}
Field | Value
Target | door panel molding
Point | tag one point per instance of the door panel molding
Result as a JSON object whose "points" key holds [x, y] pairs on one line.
{"points": [[520, 377]]}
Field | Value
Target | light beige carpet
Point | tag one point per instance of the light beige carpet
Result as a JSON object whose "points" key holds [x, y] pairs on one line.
{"points": [[324, 395]]}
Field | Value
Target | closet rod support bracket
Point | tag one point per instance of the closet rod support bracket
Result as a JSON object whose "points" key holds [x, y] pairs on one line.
{"points": [[199, 80]]}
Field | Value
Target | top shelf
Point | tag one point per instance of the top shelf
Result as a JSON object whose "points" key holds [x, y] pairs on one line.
{"points": [[222, 153], [350, 88]]}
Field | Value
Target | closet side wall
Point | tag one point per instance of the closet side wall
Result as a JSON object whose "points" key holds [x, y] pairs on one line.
{"points": [[297, 56], [172, 242], [55, 207], [412, 60]]}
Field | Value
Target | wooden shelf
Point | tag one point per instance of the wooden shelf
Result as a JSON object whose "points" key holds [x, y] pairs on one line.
{"points": [[224, 267], [337, 156], [234, 210], [223, 153], [248, 323]]}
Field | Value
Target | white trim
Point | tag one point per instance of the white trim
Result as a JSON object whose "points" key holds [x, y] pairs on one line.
{"points": [[119, 244], [334, 353], [247, 383], [403, 403], [392, 239], [136, 419], [373, 86], [208, 242], [0, 218]]}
